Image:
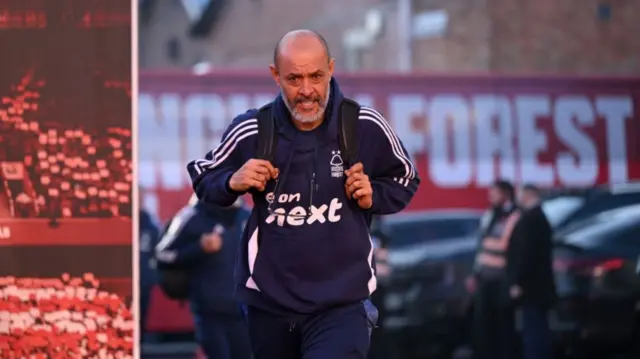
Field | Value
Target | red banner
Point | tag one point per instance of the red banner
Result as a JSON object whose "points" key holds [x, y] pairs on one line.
{"points": [[462, 131]]}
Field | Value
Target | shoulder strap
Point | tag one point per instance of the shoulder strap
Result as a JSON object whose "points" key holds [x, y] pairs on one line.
{"points": [[348, 131], [267, 135]]}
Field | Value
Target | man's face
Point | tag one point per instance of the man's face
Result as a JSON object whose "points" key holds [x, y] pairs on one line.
{"points": [[496, 197], [526, 198], [303, 75]]}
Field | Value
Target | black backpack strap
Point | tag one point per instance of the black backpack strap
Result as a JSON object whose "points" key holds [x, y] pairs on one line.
{"points": [[267, 135], [348, 131]]}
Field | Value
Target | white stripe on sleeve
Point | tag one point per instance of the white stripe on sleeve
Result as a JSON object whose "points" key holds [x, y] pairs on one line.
{"points": [[176, 226], [228, 145], [375, 117]]}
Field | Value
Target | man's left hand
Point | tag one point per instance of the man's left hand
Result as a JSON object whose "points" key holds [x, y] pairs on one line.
{"points": [[515, 291], [358, 186]]}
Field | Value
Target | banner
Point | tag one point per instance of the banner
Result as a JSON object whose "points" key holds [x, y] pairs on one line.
{"points": [[12, 170], [463, 132], [65, 129]]}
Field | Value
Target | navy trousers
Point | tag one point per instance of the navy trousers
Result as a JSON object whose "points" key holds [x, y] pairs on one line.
{"points": [[536, 334], [222, 336], [340, 333]]}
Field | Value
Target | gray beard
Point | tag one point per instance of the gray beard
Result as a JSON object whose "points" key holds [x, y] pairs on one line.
{"points": [[307, 118]]}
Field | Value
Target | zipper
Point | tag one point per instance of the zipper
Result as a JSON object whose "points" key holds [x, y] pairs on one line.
{"points": [[292, 326]]}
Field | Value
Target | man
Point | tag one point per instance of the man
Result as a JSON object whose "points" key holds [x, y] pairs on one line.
{"points": [[530, 274], [305, 269], [203, 240], [149, 233], [494, 330]]}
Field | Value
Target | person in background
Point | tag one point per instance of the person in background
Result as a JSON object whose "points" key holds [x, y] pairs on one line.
{"points": [[149, 233], [493, 320], [530, 274], [203, 239], [379, 342]]}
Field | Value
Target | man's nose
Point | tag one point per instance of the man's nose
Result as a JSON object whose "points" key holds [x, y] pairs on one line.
{"points": [[306, 90]]}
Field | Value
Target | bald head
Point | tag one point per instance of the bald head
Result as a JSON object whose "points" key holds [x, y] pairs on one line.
{"points": [[302, 68], [300, 40]]}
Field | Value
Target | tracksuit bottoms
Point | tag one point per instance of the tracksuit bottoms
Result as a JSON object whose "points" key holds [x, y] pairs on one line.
{"points": [[339, 333]]}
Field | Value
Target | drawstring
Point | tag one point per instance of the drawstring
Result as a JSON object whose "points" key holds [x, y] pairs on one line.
{"points": [[282, 178], [276, 187], [314, 185]]}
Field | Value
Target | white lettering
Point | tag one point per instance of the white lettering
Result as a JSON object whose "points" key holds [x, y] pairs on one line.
{"points": [[449, 169], [160, 141], [278, 214], [317, 214], [531, 141], [494, 141], [616, 111], [580, 166], [334, 206], [286, 198], [298, 215], [5, 232], [402, 110]]}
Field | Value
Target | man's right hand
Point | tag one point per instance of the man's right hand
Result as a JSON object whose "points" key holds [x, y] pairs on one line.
{"points": [[471, 284], [253, 174], [211, 242]]}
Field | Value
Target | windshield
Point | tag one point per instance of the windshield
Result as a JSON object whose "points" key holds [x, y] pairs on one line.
{"points": [[559, 209], [414, 232], [601, 227]]}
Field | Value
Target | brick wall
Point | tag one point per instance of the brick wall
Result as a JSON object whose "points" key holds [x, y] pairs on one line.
{"points": [[542, 36]]}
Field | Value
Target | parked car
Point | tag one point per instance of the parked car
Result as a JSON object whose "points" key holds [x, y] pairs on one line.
{"points": [[563, 209], [596, 273], [408, 229], [428, 306], [425, 296]]}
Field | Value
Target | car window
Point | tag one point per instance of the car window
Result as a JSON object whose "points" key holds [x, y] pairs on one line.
{"points": [[408, 233], [605, 203], [560, 208], [604, 227]]}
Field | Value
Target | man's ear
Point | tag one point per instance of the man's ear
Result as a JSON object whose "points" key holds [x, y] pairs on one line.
{"points": [[275, 74], [332, 64]]}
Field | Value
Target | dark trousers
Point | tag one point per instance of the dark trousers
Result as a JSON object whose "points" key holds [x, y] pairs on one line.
{"points": [[494, 334], [340, 333], [536, 334], [222, 336], [379, 338]]}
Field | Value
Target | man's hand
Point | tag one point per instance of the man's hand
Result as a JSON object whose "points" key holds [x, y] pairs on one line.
{"points": [[358, 186], [211, 242], [515, 292], [471, 284], [253, 174]]}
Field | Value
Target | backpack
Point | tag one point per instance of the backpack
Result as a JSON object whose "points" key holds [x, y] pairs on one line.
{"points": [[173, 281], [347, 132]]}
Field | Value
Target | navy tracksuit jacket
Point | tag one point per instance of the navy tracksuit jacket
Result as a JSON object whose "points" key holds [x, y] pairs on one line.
{"points": [[220, 328], [311, 255]]}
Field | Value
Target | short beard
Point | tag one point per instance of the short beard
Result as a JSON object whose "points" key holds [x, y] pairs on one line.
{"points": [[297, 116]]}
